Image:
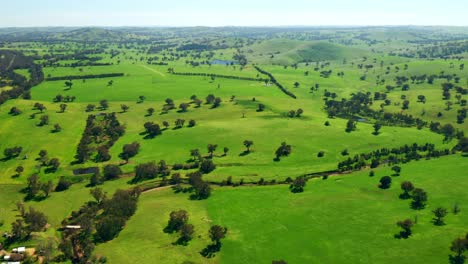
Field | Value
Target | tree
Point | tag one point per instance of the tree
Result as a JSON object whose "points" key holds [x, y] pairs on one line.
{"points": [[407, 187], [69, 84], [63, 107], [296, 85], [19, 230], [90, 107], [179, 123], [292, 113], [150, 111], [217, 233], [44, 120], [211, 149], [95, 179], [176, 220], [261, 107], [33, 186], [377, 127], [43, 156], [406, 225], [439, 214], [152, 129], [225, 151], [98, 194], [108, 227], [248, 144], [385, 182], [36, 220], [47, 188], [297, 186], [19, 170], [102, 154], [183, 107], [57, 128], [112, 172], [104, 104], [12, 152], [350, 125], [459, 246], [197, 102], [283, 150], [217, 102], [419, 198], [145, 171], [141, 98], [405, 104], [186, 233], [54, 164], [165, 124], [202, 190], [210, 99], [124, 108], [397, 170], [130, 150], [40, 107], [14, 111], [422, 98], [207, 166], [299, 112]]}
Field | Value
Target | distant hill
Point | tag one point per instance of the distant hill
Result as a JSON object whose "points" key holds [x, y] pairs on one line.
{"points": [[282, 51]]}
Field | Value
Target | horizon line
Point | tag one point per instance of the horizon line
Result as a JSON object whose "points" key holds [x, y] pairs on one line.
{"points": [[235, 26]]}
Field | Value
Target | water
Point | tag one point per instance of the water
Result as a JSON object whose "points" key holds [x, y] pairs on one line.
{"points": [[222, 62]]}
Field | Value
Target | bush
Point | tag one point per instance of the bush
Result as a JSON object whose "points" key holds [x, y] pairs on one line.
{"points": [[112, 172], [385, 182]]}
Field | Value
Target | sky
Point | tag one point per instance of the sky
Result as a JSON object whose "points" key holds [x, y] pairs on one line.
{"points": [[27, 13]]}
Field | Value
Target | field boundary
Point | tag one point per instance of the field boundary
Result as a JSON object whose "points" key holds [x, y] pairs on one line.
{"points": [[274, 81], [81, 77], [219, 76]]}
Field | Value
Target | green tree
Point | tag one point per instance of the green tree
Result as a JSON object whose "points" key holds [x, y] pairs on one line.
{"points": [[385, 182], [419, 198], [407, 187], [406, 225], [439, 214], [177, 219]]}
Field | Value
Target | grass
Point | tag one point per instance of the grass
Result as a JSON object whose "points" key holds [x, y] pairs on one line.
{"points": [[344, 219], [143, 237]]}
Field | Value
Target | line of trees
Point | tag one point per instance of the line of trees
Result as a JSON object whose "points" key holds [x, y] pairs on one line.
{"points": [[392, 156], [88, 76], [212, 75], [275, 82]]}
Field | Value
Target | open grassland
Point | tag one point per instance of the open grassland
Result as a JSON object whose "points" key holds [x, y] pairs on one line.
{"points": [[144, 236], [345, 219], [342, 219], [227, 126]]}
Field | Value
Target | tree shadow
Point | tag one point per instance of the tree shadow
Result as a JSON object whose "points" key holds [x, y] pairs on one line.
{"points": [[417, 206], [210, 250], [181, 242], [404, 196], [244, 153], [456, 259], [438, 222], [402, 235]]}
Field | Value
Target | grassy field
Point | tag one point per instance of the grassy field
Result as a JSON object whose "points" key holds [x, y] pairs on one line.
{"points": [[344, 219]]}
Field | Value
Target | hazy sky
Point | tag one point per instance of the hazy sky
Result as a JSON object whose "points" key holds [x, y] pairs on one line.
{"points": [[231, 13]]}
